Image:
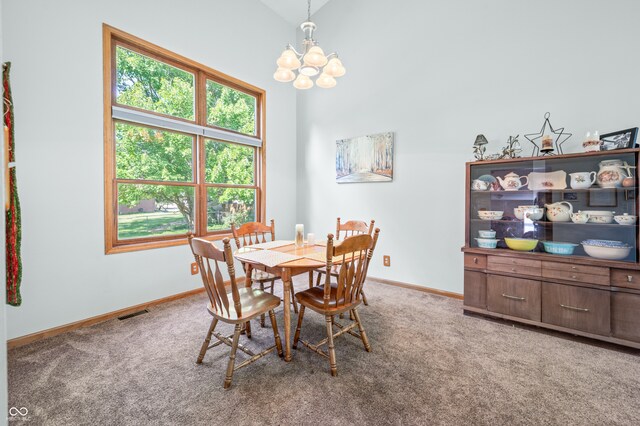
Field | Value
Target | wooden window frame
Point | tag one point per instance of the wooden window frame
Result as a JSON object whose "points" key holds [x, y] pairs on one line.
{"points": [[113, 37]]}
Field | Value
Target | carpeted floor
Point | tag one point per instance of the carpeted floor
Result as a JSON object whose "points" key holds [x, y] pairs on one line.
{"points": [[430, 365]]}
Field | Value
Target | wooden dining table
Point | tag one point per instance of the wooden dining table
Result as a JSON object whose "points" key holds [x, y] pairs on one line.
{"points": [[286, 271]]}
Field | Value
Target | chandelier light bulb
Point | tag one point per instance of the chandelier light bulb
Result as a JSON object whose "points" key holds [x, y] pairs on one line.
{"points": [[303, 82], [309, 70], [315, 57], [326, 81], [288, 60], [335, 68], [284, 75]]}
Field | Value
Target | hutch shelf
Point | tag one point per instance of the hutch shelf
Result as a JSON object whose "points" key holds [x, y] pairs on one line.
{"points": [[576, 293]]}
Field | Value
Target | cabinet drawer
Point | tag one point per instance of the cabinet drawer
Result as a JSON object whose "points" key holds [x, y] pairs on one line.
{"points": [[579, 277], [475, 289], [517, 297], [514, 265], [475, 261], [581, 308], [625, 316], [625, 278], [579, 269]]}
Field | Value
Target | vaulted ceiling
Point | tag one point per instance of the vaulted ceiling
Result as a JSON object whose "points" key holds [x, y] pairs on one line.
{"points": [[294, 11]]}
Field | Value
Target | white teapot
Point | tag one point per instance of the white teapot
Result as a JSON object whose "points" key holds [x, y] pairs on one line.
{"points": [[559, 212], [512, 182]]}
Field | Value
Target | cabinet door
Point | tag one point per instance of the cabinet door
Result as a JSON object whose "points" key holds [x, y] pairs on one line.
{"points": [[580, 308], [625, 316], [475, 289], [517, 297]]}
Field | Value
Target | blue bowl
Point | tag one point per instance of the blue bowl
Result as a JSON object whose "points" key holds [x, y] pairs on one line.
{"points": [[555, 247], [487, 242]]}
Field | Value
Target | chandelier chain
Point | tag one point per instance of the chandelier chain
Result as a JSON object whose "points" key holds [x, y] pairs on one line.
{"points": [[308, 10]]}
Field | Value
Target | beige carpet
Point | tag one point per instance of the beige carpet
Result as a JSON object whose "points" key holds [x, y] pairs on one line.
{"points": [[430, 365]]}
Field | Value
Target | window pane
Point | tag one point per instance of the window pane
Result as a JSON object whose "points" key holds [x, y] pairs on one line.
{"points": [[151, 154], [154, 210], [229, 163], [227, 205], [145, 83], [230, 109]]}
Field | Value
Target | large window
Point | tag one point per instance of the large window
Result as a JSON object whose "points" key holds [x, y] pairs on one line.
{"points": [[184, 147]]}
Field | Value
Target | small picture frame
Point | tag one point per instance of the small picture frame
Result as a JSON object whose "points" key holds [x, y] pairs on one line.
{"points": [[570, 196], [603, 198], [619, 140]]}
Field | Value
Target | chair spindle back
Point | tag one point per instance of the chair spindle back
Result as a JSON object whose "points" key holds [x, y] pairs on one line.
{"points": [[252, 233], [355, 253], [353, 227], [205, 254]]}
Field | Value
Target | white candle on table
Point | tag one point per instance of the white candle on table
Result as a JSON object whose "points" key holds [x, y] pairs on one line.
{"points": [[311, 239]]}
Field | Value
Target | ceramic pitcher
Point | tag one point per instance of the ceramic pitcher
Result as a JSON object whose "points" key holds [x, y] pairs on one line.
{"points": [[582, 180], [559, 212], [611, 173]]}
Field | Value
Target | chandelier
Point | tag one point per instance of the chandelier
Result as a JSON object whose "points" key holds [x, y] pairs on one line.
{"points": [[300, 67]]}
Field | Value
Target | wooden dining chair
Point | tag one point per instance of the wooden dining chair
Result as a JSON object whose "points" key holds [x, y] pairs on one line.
{"points": [[352, 256], [255, 233], [347, 229], [245, 303]]}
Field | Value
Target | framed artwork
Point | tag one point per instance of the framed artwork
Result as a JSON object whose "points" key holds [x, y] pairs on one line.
{"points": [[604, 198], [619, 140], [365, 159], [569, 196]]}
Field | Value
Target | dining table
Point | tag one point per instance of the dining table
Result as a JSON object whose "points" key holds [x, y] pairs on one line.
{"points": [[286, 260]]}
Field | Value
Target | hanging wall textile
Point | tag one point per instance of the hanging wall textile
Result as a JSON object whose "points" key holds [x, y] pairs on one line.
{"points": [[13, 226]]}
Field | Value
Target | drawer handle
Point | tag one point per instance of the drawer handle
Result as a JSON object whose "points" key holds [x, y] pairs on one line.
{"points": [[513, 269], [475, 260], [573, 308], [574, 268], [629, 278], [513, 297], [574, 277]]}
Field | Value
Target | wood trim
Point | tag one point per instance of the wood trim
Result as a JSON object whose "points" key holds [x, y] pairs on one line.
{"points": [[418, 288], [45, 334], [112, 37]]}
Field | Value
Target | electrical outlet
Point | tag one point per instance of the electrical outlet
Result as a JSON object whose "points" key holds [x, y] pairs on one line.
{"points": [[386, 260], [194, 268]]}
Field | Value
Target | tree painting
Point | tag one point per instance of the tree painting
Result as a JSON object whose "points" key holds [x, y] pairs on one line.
{"points": [[365, 159]]}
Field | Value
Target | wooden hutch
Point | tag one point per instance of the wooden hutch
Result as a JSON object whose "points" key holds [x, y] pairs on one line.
{"points": [[577, 293]]}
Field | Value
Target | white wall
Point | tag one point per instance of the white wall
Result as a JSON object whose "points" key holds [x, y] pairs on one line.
{"points": [[438, 73], [56, 51]]}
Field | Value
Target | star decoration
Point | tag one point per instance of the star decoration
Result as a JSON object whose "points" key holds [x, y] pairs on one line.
{"points": [[561, 136]]}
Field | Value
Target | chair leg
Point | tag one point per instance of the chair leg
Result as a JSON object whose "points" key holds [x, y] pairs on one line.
{"points": [[319, 278], [232, 356], [332, 349], [276, 335], [293, 299], [262, 316], [363, 334], [364, 299], [207, 340], [297, 335], [248, 329], [272, 285], [310, 279]]}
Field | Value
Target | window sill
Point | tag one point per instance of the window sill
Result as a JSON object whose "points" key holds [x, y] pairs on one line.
{"points": [[182, 241]]}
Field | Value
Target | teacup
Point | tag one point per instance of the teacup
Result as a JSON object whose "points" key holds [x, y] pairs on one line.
{"points": [[520, 211], [625, 219], [480, 185], [535, 213], [580, 217]]}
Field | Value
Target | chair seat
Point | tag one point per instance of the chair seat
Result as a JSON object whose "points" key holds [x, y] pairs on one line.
{"points": [[254, 302], [313, 298], [258, 275]]}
